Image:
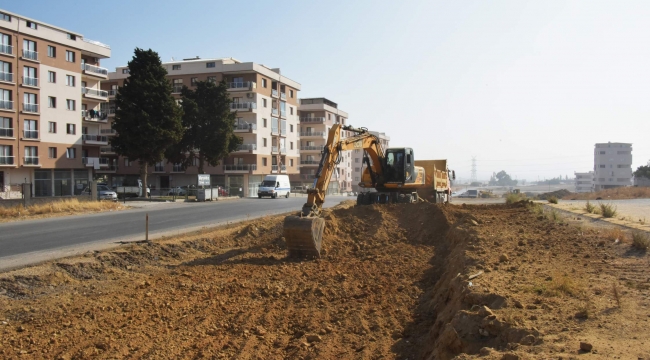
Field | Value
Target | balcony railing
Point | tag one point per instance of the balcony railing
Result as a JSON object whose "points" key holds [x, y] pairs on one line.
{"points": [[243, 106], [112, 92], [309, 162], [283, 131], [92, 115], [106, 150], [177, 89], [247, 147], [6, 76], [240, 167], [159, 168], [31, 55], [275, 131], [30, 108], [6, 160], [30, 81], [103, 161], [312, 119], [6, 49], [246, 127], [283, 150], [246, 85], [312, 133], [307, 176], [94, 69], [95, 43], [274, 92], [94, 92], [7, 132], [274, 111], [276, 167], [108, 131], [283, 113], [7, 105], [96, 138], [274, 149], [312, 148], [30, 134], [30, 160], [283, 96]]}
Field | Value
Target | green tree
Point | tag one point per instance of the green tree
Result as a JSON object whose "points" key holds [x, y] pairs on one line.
{"points": [[503, 179], [147, 118], [643, 171], [209, 126]]}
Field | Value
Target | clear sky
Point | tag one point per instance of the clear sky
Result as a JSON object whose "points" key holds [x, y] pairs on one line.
{"points": [[526, 87]]}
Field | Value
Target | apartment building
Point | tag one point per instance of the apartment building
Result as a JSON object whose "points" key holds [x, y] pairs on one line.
{"points": [[47, 76], [584, 182], [317, 115], [266, 103], [612, 165], [357, 159]]}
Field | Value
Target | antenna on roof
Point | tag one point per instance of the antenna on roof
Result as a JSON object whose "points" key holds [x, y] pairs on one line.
{"points": [[173, 59]]}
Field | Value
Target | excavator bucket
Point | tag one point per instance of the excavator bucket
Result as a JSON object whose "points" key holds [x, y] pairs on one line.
{"points": [[303, 236]]}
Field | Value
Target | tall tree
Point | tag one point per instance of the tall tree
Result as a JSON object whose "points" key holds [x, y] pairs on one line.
{"points": [[209, 126], [147, 118]]}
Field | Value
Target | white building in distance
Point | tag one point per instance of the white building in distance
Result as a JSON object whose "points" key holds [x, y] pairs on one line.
{"points": [[612, 165]]}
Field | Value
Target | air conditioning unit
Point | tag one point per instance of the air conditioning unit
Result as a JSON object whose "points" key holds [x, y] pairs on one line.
{"points": [[250, 95]]}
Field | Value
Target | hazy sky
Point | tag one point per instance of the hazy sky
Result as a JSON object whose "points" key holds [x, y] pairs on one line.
{"points": [[526, 87]]}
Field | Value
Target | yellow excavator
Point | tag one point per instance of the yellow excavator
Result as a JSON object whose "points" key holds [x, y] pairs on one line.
{"points": [[392, 174]]}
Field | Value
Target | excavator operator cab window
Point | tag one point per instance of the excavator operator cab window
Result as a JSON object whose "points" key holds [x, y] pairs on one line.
{"points": [[395, 165]]}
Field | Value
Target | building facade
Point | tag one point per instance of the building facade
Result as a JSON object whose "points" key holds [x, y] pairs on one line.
{"points": [[357, 160], [317, 115], [50, 81], [584, 182], [612, 165], [266, 103]]}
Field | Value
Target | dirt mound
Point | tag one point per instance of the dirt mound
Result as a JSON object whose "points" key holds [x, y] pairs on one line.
{"points": [[560, 194]]}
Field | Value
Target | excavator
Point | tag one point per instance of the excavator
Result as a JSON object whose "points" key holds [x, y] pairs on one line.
{"points": [[392, 174]]}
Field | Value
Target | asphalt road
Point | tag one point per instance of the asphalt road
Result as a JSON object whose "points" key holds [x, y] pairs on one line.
{"points": [[31, 241]]}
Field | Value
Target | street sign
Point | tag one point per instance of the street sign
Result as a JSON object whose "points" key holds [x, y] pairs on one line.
{"points": [[204, 180]]}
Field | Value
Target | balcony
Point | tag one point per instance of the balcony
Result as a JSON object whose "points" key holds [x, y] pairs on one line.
{"points": [[95, 162], [274, 149], [275, 130], [246, 148], [177, 89], [6, 105], [30, 55], [6, 132], [312, 133], [6, 160], [283, 113], [30, 160], [275, 168], [242, 86], [6, 49], [313, 120], [94, 116], [32, 108], [30, 81], [94, 93], [94, 139], [159, 168], [274, 92], [94, 70], [107, 151], [112, 93], [7, 77], [245, 106], [108, 132], [283, 150], [318, 148], [307, 176], [245, 127], [239, 168], [309, 162], [110, 112], [30, 134], [110, 168], [283, 96]]}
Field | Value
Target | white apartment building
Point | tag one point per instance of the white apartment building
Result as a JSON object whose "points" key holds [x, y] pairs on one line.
{"points": [[612, 165], [357, 160], [317, 115], [584, 182]]}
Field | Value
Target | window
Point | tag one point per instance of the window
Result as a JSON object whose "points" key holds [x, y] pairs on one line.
{"points": [[291, 128], [51, 101], [263, 161], [71, 104], [212, 79], [127, 162], [264, 83], [602, 166], [291, 145], [71, 129], [72, 37], [51, 51], [264, 104], [5, 155], [291, 162], [329, 116], [51, 76], [291, 93], [5, 17], [69, 56], [209, 64], [602, 153], [356, 160], [290, 110], [51, 153], [51, 127], [264, 141], [264, 121], [31, 25], [125, 71], [69, 80], [193, 81], [5, 127], [71, 153], [176, 67], [31, 155]]}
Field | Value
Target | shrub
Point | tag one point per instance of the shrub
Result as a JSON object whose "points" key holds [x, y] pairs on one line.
{"points": [[589, 207], [552, 200], [640, 240], [614, 234], [512, 198], [554, 216], [607, 210]]}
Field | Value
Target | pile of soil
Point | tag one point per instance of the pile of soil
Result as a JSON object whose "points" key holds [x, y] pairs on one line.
{"points": [[560, 194], [408, 281]]}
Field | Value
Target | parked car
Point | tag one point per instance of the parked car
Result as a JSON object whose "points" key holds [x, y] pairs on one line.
{"points": [[178, 191], [103, 193]]}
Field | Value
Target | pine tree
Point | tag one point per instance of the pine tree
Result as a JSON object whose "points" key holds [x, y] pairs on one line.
{"points": [[209, 126], [147, 118]]}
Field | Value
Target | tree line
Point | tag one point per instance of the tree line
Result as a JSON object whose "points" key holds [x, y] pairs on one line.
{"points": [[152, 127]]}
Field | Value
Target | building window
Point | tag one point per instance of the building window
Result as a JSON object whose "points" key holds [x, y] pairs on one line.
{"points": [[602, 166], [69, 56], [127, 163], [31, 25], [31, 155], [264, 122], [193, 81], [176, 67], [264, 83], [30, 129], [51, 51], [125, 71], [51, 127], [51, 76], [69, 80], [212, 79], [72, 37], [290, 110], [71, 153], [51, 153], [602, 153], [356, 160], [5, 127], [71, 105], [71, 129], [291, 128], [291, 162], [264, 104], [291, 93], [209, 64], [51, 102], [263, 161], [264, 142], [5, 17]]}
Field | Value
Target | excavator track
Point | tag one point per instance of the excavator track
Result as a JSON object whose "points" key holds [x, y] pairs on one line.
{"points": [[304, 236]]}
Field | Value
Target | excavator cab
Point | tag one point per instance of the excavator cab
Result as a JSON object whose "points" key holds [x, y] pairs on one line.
{"points": [[400, 166]]}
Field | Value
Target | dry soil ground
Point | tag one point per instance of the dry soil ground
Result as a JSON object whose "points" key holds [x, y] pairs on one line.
{"points": [[396, 281]]}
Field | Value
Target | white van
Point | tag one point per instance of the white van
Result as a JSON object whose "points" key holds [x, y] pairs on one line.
{"points": [[274, 186]]}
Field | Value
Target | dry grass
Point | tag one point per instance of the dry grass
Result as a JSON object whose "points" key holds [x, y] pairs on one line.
{"points": [[614, 234], [513, 198], [71, 206], [561, 284], [553, 200], [629, 192], [589, 207], [607, 210], [640, 241], [617, 294]]}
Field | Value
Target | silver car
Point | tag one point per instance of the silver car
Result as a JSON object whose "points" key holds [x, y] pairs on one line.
{"points": [[103, 193]]}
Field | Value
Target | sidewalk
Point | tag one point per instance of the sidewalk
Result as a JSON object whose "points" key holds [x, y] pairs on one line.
{"points": [[632, 213]]}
